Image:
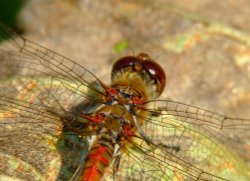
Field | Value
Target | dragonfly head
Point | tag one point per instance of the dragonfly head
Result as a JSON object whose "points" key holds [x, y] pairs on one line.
{"points": [[143, 67]]}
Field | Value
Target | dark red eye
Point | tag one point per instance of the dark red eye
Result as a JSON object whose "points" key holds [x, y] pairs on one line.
{"points": [[142, 63]]}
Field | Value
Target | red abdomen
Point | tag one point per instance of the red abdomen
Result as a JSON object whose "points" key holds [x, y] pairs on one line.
{"points": [[97, 160]]}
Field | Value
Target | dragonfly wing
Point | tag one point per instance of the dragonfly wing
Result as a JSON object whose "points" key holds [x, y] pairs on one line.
{"points": [[26, 58], [35, 106], [205, 145], [232, 132], [34, 144]]}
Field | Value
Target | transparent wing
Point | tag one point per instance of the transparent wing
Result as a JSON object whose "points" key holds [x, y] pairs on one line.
{"points": [[187, 143], [34, 141], [21, 57], [232, 132], [42, 87]]}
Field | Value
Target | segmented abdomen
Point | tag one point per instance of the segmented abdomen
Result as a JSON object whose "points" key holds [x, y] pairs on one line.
{"points": [[98, 159]]}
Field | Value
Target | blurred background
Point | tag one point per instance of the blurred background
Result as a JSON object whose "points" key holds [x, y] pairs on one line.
{"points": [[202, 45], [9, 11]]}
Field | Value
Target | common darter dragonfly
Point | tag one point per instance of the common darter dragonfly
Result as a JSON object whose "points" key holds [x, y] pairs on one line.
{"points": [[59, 121]]}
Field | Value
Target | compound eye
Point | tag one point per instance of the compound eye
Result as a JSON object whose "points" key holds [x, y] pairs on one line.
{"points": [[130, 63], [156, 72]]}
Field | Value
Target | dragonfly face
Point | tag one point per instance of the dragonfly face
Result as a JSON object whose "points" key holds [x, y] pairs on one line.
{"points": [[51, 106]]}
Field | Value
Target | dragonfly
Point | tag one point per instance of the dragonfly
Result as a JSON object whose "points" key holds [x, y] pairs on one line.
{"points": [[59, 121]]}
